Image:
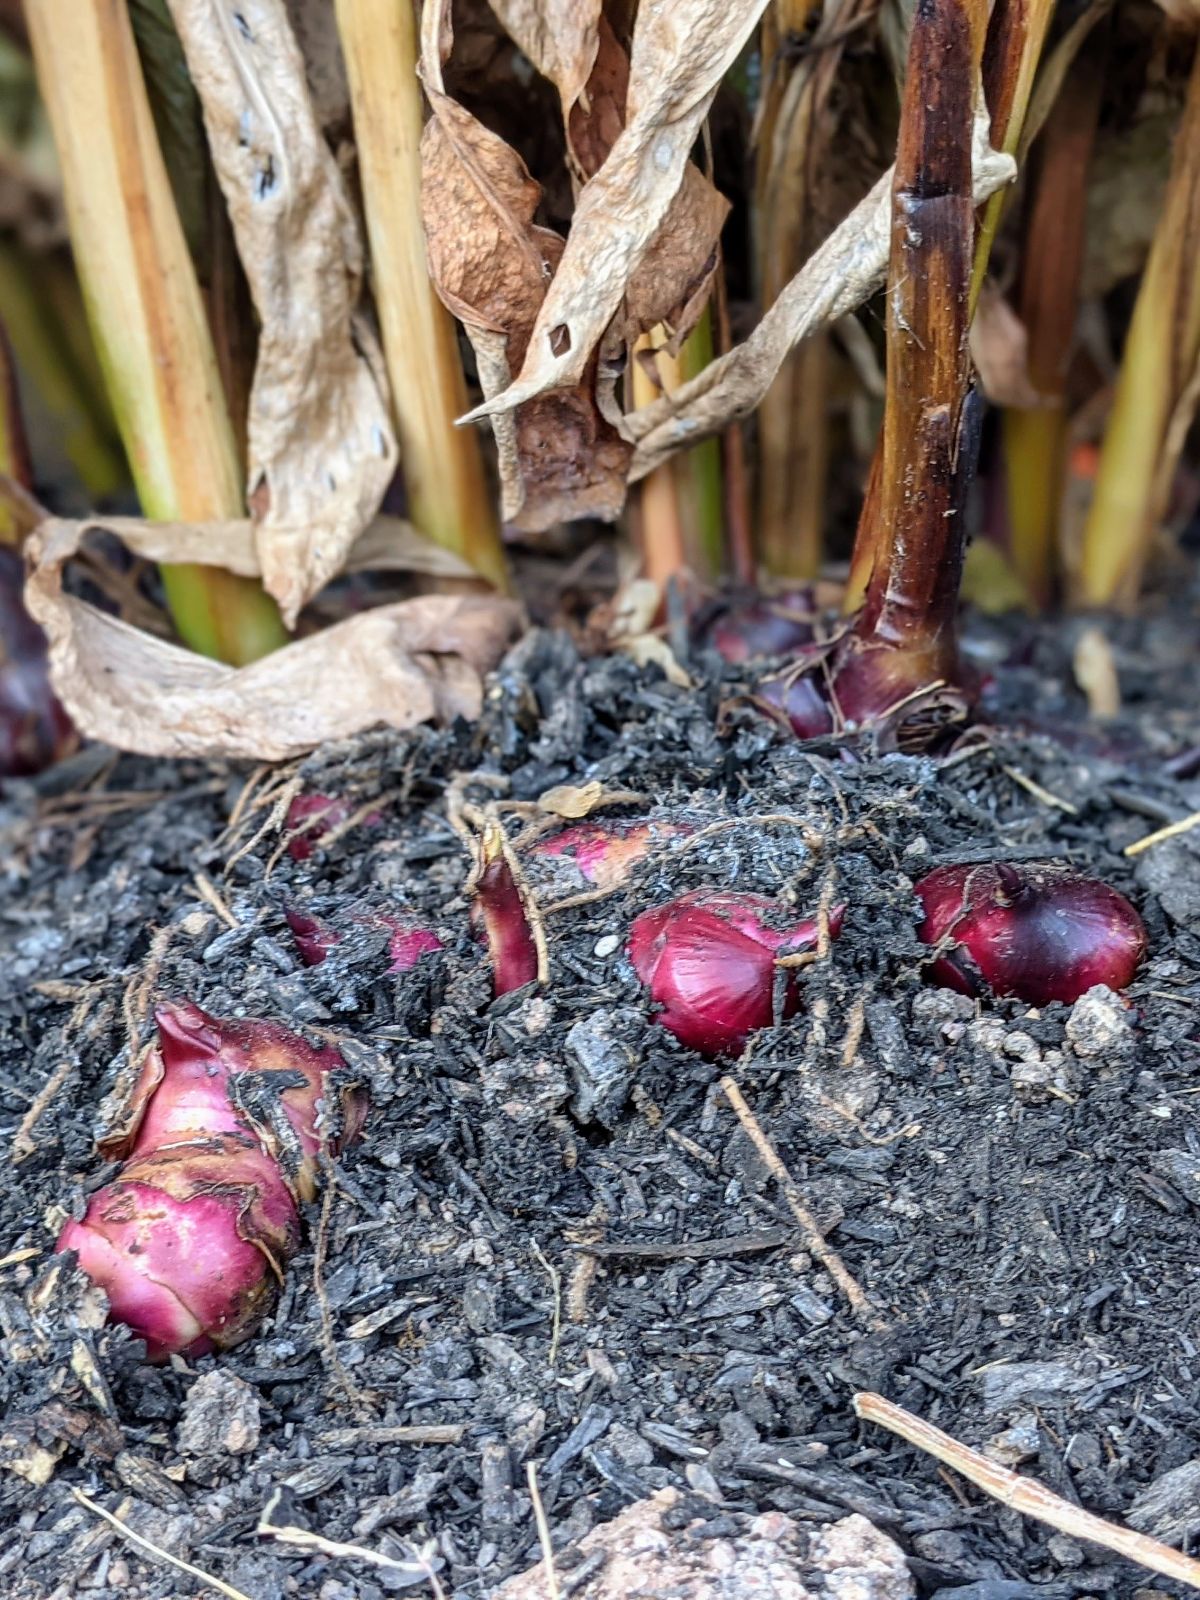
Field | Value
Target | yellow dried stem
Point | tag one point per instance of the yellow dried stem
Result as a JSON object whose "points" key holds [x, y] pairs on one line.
{"points": [[660, 518], [1157, 389], [443, 468], [145, 310], [1035, 441], [681, 509]]}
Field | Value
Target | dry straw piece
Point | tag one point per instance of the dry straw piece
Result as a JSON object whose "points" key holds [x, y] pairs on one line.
{"points": [[1027, 1495]]}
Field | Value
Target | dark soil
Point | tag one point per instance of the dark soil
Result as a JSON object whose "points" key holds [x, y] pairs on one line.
{"points": [[611, 1284]]}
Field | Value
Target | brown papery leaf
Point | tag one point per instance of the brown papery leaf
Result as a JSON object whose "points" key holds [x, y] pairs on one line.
{"points": [[680, 52], [846, 270], [560, 37], [672, 284], [321, 446], [559, 459], [1000, 350], [395, 666]]}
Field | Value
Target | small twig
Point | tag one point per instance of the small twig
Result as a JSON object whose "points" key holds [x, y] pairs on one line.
{"points": [[126, 1532], [15, 1257], [320, 1250], [208, 892], [303, 1539], [587, 897], [1030, 786], [552, 1273], [1027, 1495], [282, 799], [813, 1237], [23, 1143], [1171, 831], [543, 1531], [394, 1433]]}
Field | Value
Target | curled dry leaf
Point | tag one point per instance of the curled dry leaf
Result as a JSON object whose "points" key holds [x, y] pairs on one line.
{"points": [[398, 665], [560, 37], [321, 447], [672, 282], [680, 52], [491, 265], [837, 278], [388, 544]]}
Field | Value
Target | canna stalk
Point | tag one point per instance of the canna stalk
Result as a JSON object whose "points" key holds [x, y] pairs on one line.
{"points": [[1035, 440], [902, 647], [1012, 50], [145, 310], [443, 468], [1157, 389], [41, 307], [681, 505]]}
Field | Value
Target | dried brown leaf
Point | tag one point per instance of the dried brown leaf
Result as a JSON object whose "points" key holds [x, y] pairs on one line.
{"points": [[560, 37], [491, 264], [680, 52], [1000, 350], [837, 278], [671, 286], [321, 446], [396, 666]]}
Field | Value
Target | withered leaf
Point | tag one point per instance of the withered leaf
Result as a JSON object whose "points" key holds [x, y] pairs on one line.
{"points": [[680, 52], [671, 284], [847, 268], [560, 37], [397, 665], [491, 264], [321, 447]]}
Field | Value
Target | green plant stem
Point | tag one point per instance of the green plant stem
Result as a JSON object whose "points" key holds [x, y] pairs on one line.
{"points": [[145, 310]]}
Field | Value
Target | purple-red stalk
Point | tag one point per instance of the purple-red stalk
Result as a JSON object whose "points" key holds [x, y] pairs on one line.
{"points": [[903, 641], [709, 961], [1038, 933], [221, 1137]]}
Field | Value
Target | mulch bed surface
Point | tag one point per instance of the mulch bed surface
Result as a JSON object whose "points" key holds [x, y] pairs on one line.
{"points": [[589, 1266]]}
